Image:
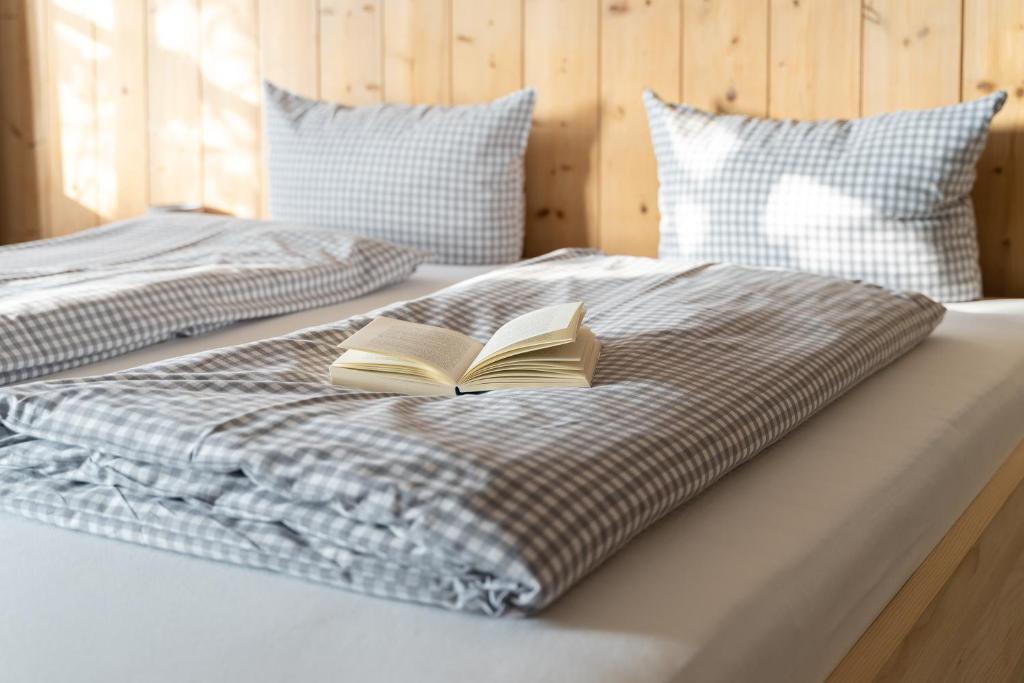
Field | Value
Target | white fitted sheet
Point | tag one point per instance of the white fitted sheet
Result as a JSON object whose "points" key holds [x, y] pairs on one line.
{"points": [[770, 576]]}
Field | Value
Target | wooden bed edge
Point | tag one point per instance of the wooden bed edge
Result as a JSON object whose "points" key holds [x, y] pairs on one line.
{"points": [[927, 620]]}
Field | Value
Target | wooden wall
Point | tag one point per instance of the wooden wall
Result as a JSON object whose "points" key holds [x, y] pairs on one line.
{"points": [[112, 105]]}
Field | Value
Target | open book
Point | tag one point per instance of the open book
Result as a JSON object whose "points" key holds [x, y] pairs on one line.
{"points": [[544, 348]]}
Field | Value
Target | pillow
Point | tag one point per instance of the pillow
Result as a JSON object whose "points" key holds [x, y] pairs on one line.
{"points": [[447, 180], [884, 199]]}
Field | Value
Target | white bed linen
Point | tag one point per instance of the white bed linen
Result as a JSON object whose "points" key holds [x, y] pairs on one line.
{"points": [[770, 576]]}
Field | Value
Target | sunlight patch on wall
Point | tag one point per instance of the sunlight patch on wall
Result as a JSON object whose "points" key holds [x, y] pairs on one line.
{"points": [[74, 59], [229, 69], [99, 12], [174, 103], [171, 21]]}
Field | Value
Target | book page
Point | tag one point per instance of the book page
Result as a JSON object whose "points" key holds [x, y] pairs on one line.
{"points": [[446, 351], [387, 382], [368, 361], [543, 322], [551, 367]]}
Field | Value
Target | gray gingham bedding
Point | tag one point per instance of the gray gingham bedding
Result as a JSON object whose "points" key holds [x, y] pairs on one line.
{"points": [[886, 198], [491, 503], [74, 300], [447, 180]]}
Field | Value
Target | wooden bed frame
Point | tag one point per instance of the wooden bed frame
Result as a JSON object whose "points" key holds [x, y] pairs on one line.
{"points": [[960, 616]]}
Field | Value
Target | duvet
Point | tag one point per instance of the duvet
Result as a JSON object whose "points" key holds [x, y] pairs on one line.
{"points": [[493, 503], [79, 299]]}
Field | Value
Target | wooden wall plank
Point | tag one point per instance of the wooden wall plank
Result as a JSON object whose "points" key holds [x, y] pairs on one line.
{"points": [[591, 173], [815, 59], [42, 106], [175, 136], [289, 45], [21, 217], [121, 110], [9, 225], [725, 55], [351, 51], [911, 54], [230, 106], [12, 47], [561, 63], [417, 51], [640, 48], [73, 128], [487, 49], [994, 58]]}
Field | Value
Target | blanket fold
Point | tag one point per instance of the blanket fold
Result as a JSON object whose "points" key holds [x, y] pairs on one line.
{"points": [[73, 300], [493, 503]]}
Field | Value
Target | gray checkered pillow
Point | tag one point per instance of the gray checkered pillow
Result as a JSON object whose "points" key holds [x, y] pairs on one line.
{"points": [[884, 199], [448, 180]]}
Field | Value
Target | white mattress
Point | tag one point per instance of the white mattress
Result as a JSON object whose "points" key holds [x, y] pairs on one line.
{"points": [[769, 576]]}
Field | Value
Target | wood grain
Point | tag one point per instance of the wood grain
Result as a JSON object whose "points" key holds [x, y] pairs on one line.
{"points": [[487, 49], [352, 51], [12, 46], [994, 59], [21, 216], [911, 54], [725, 56], [42, 107], [121, 94], [815, 59], [230, 93], [960, 616], [561, 63], [417, 51], [640, 48], [73, 124], [290, 45], [175, 108]]}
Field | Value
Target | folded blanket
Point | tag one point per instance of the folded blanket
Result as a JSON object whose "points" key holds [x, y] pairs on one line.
{"points": [[73, 300], [490, 503]]}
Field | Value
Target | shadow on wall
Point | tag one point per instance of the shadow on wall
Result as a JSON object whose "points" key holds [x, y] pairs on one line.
{"points": [[560, 204], [999, 205], [96, 125], [20, 208]]}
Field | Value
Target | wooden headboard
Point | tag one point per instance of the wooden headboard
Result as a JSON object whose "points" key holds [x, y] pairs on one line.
{"points": [[112, 105]]}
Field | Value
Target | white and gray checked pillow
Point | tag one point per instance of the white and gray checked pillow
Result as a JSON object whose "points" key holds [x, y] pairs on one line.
{"points": [[447, 180], [885, 199]]}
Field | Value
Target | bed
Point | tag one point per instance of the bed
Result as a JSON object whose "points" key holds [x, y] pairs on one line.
{"points": [[878, 541], [68, 301], [697, 597], [427, 278]]}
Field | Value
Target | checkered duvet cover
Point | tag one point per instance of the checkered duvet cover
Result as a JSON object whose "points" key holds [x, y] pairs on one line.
{"points": [[73, 300], [493, 503]]}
